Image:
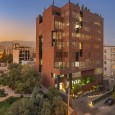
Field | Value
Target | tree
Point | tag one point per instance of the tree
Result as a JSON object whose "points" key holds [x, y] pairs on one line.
{"points": [[58, 106], [21, 88], [46, 108], [52, 92], [14, 74], [18, 107], [39, 104], [6, 58], [22, 78]]}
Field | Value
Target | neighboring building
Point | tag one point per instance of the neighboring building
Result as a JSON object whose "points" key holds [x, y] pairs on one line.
{"points": [[6, 50], [9, 50], [1, 51], [109, 61], [32, 53], [20, 53], [69, 45], [31, 64]]}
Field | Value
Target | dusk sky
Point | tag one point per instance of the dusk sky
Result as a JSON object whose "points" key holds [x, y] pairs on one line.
{"points": [[18, 17]]}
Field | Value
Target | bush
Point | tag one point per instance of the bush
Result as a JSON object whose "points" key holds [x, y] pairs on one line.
{"points": [[2, 93], [12, 99]]}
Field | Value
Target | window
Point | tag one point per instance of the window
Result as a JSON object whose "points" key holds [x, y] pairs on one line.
{"points": [[97, 23], [80, 45], [53, 75], [105, 68], [58, 54], [105, 62], [59, 45], [77, 74], [58, 25], [77, 56], [76, 64], [56, 13], [61, 65], [40, 19], [98, 71], [65, 44], [105, 51], [54, 35]]}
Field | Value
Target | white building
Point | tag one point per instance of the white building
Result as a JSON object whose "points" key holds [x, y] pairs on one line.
{"points": [[9, 50], [20, 53], [16, 56], [109, 61]]}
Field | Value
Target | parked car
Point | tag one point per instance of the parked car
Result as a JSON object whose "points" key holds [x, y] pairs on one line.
{"points": [[109, 101]]}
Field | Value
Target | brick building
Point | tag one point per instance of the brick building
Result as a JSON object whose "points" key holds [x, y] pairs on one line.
{"points": [[69, 46]]}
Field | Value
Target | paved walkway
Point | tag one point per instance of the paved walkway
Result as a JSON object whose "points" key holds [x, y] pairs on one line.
{"points": [[10, 93]]}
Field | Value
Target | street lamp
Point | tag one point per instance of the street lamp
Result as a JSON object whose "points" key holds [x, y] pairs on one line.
{"points": [[68, 99]]}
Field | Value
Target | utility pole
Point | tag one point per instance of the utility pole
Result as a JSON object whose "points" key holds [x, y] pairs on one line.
{"points": [[68, 99]]}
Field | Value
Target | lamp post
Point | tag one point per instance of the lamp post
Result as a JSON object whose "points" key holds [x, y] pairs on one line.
{"points": [[68, 99]]}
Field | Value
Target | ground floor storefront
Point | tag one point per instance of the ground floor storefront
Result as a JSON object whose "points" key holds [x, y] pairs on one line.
{"points": [[78, 85]]}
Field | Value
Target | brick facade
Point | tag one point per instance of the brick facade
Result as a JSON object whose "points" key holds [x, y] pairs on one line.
{"points": [[69, 41]]}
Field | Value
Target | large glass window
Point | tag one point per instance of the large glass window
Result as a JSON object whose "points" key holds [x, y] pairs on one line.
{"points": [[58, 25], [61, 65]]}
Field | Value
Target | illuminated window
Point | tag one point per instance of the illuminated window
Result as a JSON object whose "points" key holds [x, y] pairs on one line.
{"points": [[77, 35], [80, 45], [65, 44], [77, 74], [76, 64], [61, 65], [59, 45], [97, 23], [60, 34], [54, 35], [98, 71], [53, 75], [58, 25]]}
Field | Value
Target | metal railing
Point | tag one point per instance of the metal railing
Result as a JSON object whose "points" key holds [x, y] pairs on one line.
{"points": [[102, 97]]}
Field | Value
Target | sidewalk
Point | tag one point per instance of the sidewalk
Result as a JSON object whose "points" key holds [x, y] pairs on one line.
{"points": [[10, 93]]}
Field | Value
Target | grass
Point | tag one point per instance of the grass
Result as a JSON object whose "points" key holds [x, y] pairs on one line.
{"points": [[5, 105]]}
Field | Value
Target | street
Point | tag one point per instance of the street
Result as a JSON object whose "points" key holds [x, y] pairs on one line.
{"points": [[82, 107], [107, 110]]}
